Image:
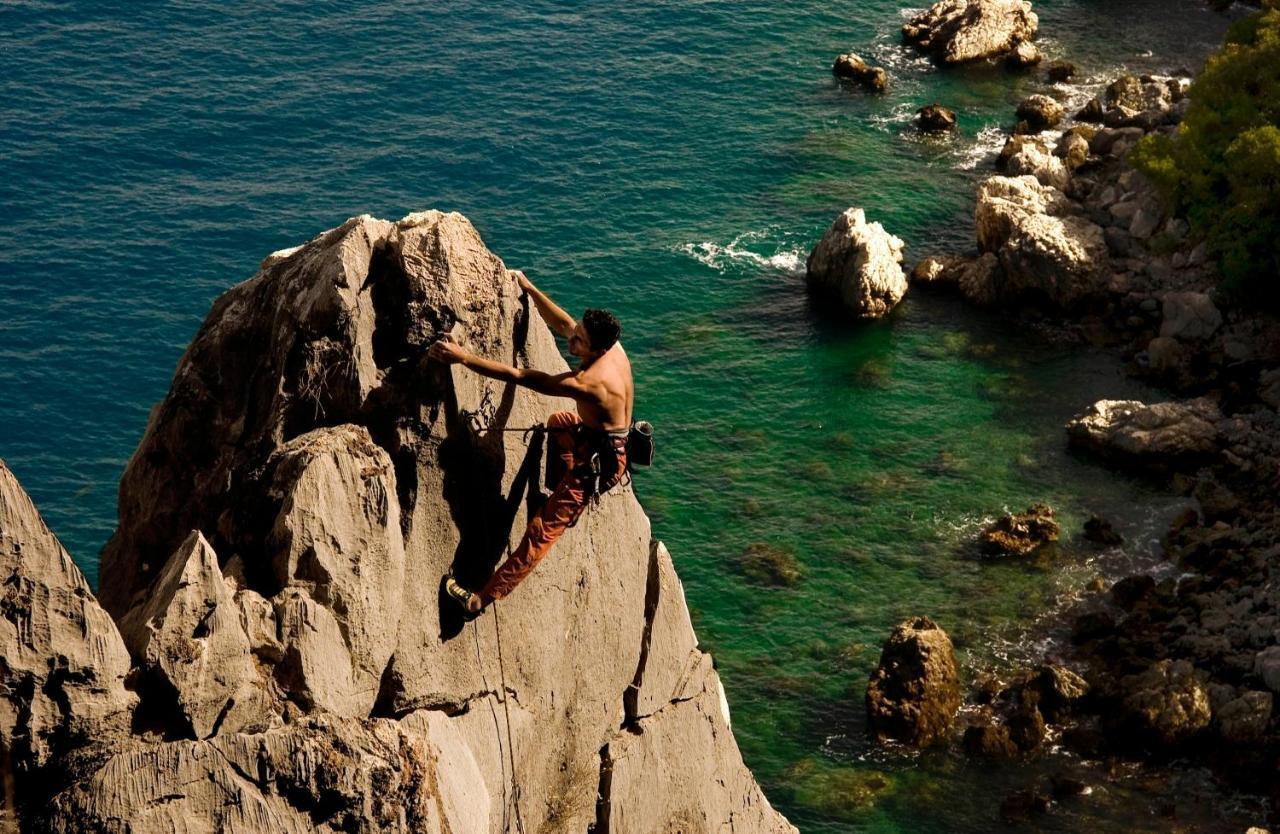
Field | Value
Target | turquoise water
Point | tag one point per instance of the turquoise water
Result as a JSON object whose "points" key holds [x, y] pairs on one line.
{"points": [[673, 161]]}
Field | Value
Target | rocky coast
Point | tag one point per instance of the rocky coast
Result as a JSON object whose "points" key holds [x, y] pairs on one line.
{"points": [[1181, 665], [270, 649]]}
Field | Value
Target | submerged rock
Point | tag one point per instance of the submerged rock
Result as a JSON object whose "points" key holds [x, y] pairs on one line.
{"points": [[915, 691], [1019, 534], [769, 565], [958, 31], [860, 264], [934, 118], [1099, 531], [852, 67]]}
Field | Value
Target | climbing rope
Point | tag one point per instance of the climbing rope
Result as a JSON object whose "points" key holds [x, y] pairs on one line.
{"points": [[506, 709], [510, 801]]}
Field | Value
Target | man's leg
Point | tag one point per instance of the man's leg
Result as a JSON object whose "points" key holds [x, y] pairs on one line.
{"points": [[559, 512], [560, 446]]}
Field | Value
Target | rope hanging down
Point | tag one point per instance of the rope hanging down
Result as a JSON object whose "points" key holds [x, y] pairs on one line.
{"points": [[511, 801]]}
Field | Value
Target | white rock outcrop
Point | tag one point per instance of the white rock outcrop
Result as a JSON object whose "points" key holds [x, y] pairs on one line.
{"points": [[1045, 246], [1162, 436], [958, 31], [297, 664], [860, 264]]}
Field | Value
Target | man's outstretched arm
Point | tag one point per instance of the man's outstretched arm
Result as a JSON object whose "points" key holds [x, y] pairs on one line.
{"points": [[553, 385], [557, 319]]}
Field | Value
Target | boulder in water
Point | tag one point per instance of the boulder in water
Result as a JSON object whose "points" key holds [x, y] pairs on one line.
{"points": [[860, 264], [1039, 112], [1024, 56], [1060, 71], [934, 118], [958, 31], [915, 691], [1018, 534], [852, 67]]}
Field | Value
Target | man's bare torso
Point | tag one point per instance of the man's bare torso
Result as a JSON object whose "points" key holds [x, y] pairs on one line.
{"points": [[610, 376]]}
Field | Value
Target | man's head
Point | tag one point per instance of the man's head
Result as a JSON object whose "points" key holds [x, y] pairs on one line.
{"points": [[596, 332]]}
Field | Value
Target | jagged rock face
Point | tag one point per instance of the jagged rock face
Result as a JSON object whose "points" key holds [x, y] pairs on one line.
{"points": [[1162, 437], [339, 550], [914, 693], [1046, 249], [188, 633], [957, 31], [860, 264], [335, 476], [62, 662], [318, 775]]}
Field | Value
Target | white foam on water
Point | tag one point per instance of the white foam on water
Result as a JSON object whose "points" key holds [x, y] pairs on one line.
{"points": [[983, 150], [718, 257]]}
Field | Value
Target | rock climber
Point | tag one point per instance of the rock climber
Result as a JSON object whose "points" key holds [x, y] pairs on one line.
{"points": [[590, 446]]}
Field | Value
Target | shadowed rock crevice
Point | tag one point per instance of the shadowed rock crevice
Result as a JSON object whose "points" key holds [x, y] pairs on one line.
{"points": [[603, 794], [631, 697]]}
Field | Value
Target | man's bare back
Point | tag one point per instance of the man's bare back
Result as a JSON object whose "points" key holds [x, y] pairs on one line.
{"points": [[609, 377]]}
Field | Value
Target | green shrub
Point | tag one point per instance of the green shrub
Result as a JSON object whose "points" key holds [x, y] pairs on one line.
{"points": [[1223, 167]]}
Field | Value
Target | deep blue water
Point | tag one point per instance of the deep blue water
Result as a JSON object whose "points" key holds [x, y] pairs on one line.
{"points": [[671, 160]]}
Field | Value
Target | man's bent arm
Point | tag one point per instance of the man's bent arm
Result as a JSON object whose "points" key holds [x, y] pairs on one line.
{"points": [[557, 385], [556, 318]]}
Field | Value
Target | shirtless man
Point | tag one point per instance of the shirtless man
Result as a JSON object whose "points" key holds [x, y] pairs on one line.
{"points": [[601, 386]]}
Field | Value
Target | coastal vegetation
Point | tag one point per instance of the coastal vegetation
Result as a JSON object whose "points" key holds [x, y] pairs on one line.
{"points": [[1223, 166]]}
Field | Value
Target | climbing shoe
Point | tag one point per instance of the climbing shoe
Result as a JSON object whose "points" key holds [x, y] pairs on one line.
{"points": [[460, 595]]}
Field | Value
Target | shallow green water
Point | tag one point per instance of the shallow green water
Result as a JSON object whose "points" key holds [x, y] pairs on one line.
{"points": [[673, 161]]}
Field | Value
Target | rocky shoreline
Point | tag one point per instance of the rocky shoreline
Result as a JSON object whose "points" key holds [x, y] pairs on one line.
{"points": [[1074, 241]]}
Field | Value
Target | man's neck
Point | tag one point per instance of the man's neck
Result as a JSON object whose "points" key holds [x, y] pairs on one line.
{"points": [[589, 360]]}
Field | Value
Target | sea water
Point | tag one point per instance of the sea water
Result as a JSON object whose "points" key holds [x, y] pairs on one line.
{"points": [[673, 161]]}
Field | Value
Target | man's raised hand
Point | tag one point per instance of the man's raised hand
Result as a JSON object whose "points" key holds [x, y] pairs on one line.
{"points": [[521, 279], [447, 350]]}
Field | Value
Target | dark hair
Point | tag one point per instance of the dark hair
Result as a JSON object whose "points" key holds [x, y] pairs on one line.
{"points": [[603, 328]]}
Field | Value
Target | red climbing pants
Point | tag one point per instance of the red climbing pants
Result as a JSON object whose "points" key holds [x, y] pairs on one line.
{"points": [[573, 442]]}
